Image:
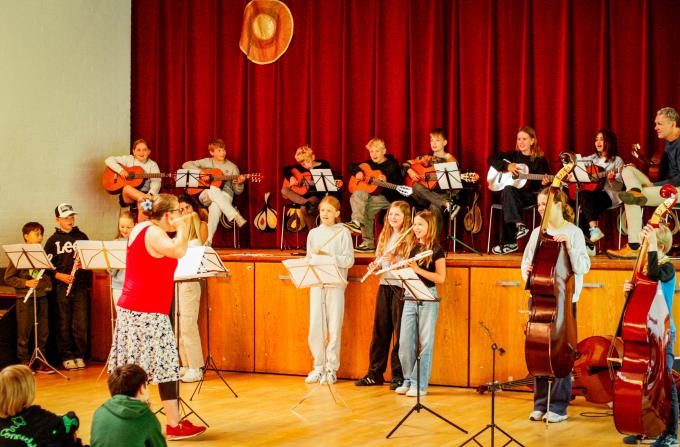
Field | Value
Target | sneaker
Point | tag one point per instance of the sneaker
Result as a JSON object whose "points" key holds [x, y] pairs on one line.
{"points": [[633, 197], [396, 383], [69, 365], [624, 253], [329, 378], [403, 389], [192, 375], [313, 377], [504, 249], [554, 418], [666, 441], [44, 369], [595, 234], [364, 248], [413, 392], [367, 381], [522, 231], [353, 226], [240, 220], [80, 363], [185, 429], [536, 415], [635, 440], [452, 209]]}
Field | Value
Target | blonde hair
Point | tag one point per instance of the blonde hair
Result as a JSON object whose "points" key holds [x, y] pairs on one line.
{"points": [[304, 153], [332, 201], [431, 238], [161, 204], [17, 390], [376, 143], [405, 246], [664, 238], [561, 197], [124, 214]]}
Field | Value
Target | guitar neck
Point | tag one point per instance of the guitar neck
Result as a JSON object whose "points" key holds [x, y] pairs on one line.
{"points": [[148, 175], [229, 177], [534, 176], [375, 181]]}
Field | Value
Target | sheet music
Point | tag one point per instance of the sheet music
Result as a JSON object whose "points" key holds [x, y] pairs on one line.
{"points": [[323, 180], [448, 175], [199, 262], [321, 270], [102, 255], [581, 170], [28, 256], [413, 285], [187, 178]]}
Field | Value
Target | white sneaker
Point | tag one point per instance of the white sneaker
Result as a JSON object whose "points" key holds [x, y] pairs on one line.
{"points": [[328, 379], [595, 234], [314, 376], [536, 415], [69, 365], [192, 375], [80, 363], [413, 392], [240, 220], [554, 417], [402, 389]]}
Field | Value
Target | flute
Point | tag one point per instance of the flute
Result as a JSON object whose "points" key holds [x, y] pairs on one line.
{"points": [[387, 250], [73, 271], [320, 249], [400, 264]]}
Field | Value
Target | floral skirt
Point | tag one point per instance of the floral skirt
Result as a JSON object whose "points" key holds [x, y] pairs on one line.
{"points": [[147, 340]]}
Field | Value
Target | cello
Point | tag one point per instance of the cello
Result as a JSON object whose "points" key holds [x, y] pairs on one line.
{"points": [[550, 345], [642, 393]]}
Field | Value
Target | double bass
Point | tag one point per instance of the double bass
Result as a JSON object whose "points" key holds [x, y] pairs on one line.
{"points": [[550, 345], [642, 389]]}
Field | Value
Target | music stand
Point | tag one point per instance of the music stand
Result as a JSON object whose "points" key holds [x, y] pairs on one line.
{"points": [[415, 290], [209, 265], [323, 180], [103, 256], [448, 179], [316, 271], [579, 176], [188, 178], [492, 425], [32, 256]]}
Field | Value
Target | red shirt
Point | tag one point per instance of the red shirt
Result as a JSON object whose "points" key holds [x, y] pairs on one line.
{"points": [[149, 282]]}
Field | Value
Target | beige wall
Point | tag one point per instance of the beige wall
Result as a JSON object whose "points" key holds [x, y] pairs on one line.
{"points": [[64, 106]]}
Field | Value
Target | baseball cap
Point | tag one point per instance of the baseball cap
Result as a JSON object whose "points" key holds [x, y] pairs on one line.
{"points": [[64, 210]]}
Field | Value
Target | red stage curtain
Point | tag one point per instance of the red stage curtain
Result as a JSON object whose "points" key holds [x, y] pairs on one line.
{"points": [[356, 69]]}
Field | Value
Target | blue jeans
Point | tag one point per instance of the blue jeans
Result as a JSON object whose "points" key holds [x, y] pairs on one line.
{"points": [[672, 426], [426, 313]]}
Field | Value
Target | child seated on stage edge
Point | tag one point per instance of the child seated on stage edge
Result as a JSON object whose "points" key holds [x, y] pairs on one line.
{"points": [[140, 157], [126, 419], [22, 281], [219, 200], [24, 424]]}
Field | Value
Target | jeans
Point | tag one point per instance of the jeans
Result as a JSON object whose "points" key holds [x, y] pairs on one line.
{"points": [[426, 314], [72, 312], [672, 426]]}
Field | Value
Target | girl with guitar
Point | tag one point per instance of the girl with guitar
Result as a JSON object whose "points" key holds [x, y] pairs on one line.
{"points": [[659, 268], [298, 185], [139, 158], [219, 200], [594, 202], [514, 200], [575, 258]]}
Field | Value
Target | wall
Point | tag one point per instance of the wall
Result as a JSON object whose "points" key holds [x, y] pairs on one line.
{"points": [[64, 107]]}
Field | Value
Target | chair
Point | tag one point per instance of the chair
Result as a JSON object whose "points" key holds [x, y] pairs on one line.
{"points": [[231, 225], [286, 206], [499, 207]]}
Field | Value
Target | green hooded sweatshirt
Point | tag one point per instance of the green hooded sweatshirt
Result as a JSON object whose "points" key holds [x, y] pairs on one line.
{"points": [[123, 421]]}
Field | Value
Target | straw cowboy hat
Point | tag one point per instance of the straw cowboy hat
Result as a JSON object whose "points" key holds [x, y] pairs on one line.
{"points": [[267, 30]]}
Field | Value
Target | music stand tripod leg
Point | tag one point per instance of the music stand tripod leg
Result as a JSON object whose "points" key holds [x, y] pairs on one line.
{"points": [[113, 329], [37, 353]]}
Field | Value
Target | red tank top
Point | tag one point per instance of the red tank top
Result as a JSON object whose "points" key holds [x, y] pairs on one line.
{"points": [[149, 282]]}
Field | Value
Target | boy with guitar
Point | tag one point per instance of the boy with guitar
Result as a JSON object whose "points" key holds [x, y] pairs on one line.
{"points": [[381, 168], [121, 166], [219, 200], [298, 185]]}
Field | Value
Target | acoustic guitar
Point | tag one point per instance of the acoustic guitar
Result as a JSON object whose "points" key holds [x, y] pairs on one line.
{"points": [[429, 176], [653, 164], [372, 184], [215, 177], [304, 181], [114, 182]]}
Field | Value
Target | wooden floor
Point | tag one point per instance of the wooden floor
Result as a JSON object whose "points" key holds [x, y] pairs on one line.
{"points": [[262, 415]]}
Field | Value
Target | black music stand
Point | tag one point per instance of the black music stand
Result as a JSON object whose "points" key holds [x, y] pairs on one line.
{"points": [[319, 271], [323, 180], [580, 176], [492, 425], [32, 256], [448, 179], [419, 293], [188, 178]]}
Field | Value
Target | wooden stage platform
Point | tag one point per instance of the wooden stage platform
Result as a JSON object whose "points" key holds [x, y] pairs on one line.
{"points": [[262, 415]]}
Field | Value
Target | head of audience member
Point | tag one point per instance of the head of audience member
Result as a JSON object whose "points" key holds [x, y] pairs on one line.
{"points": [[438, 140], [217, 149], [140, 150], [606, 144], [129, 380], [305, 156], [66, 217], [667, 124], [527, 142], [163, 209], [376, 150], [17, 390], [126, 222], [32, 232]]}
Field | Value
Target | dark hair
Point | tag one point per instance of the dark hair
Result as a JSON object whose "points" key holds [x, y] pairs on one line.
{"points": [[611, 145], [186, 198], [161, 204], [217, 142], [32, 226], [439, 132], [127, 380]]}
